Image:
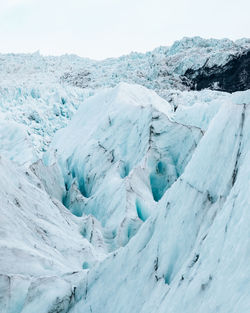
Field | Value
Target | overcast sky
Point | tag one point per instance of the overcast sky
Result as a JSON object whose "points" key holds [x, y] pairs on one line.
{"points": [[107, 28]]}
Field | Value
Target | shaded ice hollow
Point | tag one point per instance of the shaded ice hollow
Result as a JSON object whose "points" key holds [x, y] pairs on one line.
{"points": [[121, 190]]}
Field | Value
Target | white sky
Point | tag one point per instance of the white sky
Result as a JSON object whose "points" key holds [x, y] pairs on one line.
{"points": [[107, 28]]}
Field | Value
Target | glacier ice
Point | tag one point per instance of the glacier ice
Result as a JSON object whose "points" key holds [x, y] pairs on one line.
{"points": [[184, 257], [120, 189], [40, 240], [43, 93], [130, 176]]}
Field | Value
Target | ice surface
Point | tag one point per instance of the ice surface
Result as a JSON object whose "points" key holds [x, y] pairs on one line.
{"points": [[43, 92], [13, 139], [39, 238], [120, 189], [192, 256], [139, 203]]}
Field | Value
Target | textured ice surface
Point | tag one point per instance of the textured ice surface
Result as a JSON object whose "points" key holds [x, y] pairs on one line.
{"points": [[140, 204], [40, 242], [43, 93], [192, 255], [119, 154]]}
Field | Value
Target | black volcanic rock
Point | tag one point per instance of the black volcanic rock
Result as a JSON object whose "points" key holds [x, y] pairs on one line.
{"points": [[231, 77]]}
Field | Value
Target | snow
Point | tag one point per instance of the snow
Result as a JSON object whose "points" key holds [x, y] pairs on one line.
{"points": [[120, 190]]}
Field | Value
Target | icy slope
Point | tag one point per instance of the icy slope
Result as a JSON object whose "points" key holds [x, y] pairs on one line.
{"points": [[45, 250], [42, 251], [118, 155], [14, 139], [192, 254]]}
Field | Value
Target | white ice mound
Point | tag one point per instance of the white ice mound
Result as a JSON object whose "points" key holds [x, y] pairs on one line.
{"points": [[118, 155]]}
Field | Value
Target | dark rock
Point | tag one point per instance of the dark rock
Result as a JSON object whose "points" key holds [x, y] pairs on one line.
{"points": [[231, 77]]}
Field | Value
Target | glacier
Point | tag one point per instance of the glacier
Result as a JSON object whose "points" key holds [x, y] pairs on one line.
{"points": [[123, 189]]}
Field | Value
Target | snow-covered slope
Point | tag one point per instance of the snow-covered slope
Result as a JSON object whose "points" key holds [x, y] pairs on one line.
{"points": [[116, 199]]}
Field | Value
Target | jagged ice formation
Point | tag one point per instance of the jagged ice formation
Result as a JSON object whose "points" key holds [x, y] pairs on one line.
{"points": [[124, 184]]}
